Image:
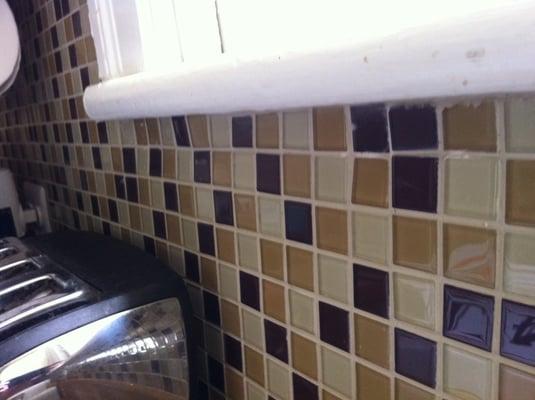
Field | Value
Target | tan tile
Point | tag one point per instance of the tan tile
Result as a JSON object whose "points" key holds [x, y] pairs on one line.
{"points": [[230, 317], [415, 243], [144, 191], [370, 182], [516, 384], [110, 185], [187, 204], [173, 229], [372, 385], [331, 229], [233, 385], [272, 258], [225, 245], [274, 300], [329, 396], [153, 131], [208, 274], [468, 127], [245, 211], [169, 163], [267, 131], [142, 138], [222, 174], [300, 271], [304, 356], [372, 341], [198, 127], [470, 254], [406, 391], [520, 198], [329, 128], [254, 365], [135, 217], [296, 175]]}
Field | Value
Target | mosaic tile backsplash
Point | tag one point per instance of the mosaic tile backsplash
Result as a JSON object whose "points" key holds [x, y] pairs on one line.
{"points": [[372, 252]]}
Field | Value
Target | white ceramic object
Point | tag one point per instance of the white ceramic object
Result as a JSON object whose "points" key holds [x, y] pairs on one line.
{"points": [[10, 45]]}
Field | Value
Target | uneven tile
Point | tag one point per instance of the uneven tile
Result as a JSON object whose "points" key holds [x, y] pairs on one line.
{"points": [[329, 396], [468, 317], [416, 357], [274, 300], [234, 385], [470, 127], [252, 329], [225, 245], [516, 339], [302, 311], [221, 168], [331, 229], [169, 163], [415, 243], [181, 131], [254, 365], [248, 252], [515, 384], [206, 239], [230, 318], [245, 211], [276, 340], [173, 229], [370, 290], [334, 326], [414, 300], [471, 187], [370, 182], [271, 254], [267, 131], [171, 196], [198, 127], [298, 221], [414, 183], [296, 175], [211, 308], [278, 379], [233, 353], [223, 207], [406, 391], [520, 193], [370, 128], [250, 290], [519, 264], [220, 130], [186, 200], [370, 237], [184, 165], [330, 180], [300, 268], [413, 127], [270, 216], [242, 131], [466, 375], [470, 254], [268, 173], [329, 128], [189, 234], [155, 162], [333, 278], [304, 356], [372, 340], [372, 385], [201, 167], [216, 374], [303, 389], [209, 274], [519, 123], [336, 371], [205, 204], [244, 171], [254, 392], [296, 130]]}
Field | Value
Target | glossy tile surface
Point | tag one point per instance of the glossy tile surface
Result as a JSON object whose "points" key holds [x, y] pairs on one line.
{"points": [[515, 384], [250, 290], [414, 300], [297, 175], [298, 221], [267, 131], [369, 124], [370, 182], [244, 168], [416, 357], [519, 123], [333, 275], [274, 300], [415, 243], [372, 340], [406, 391], [468, 317], [330, 178], [304, 356], [225, 245], [300, 268], [303, 389], [271, 254], [414, 183], [242, 131], [413, 127], [295, 129], [270, 216], [278, 379], [302, 313], [372, 385], [201, 167], [336, 371], [334, 326], [329, 128], [221, 168], [331, 229], [370, 290], [276, 340], [519, 264], [370, 236], [268, 173], [245, 211], [520, 193], [517, 339]]}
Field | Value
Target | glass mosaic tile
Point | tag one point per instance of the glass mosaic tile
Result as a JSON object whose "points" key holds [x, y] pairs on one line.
{"points": [[413, 127], [416, 357], [371, 291], [370, 131], [414, 183], [517, 340]]}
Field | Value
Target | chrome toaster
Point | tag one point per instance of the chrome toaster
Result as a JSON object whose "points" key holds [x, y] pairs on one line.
{"points": [[84, 316]]}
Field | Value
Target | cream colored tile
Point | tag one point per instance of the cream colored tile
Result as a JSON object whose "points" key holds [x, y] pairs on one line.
{"points": [[520, 125], [189, 234], [184, 165], [270, 212], [248, 251], [244, 171], [142, 161], [147, 221], [336, 371], [156, 194], [519, 264], [414, 300], [205, 204], [370, 237], [330, 181], [302, 311], [254, 392], [228, 282], [471, 187], [220, 130], [252, 329], [466, 376], [333, 275], [213, 341], [278, 380], [296, 130]]}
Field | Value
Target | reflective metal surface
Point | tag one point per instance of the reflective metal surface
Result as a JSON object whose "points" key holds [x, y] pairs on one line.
{"points": [[137, 354]]}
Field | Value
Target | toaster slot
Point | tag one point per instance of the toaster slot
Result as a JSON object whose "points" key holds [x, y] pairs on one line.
{"points": [[17, 268], [8, 252]]}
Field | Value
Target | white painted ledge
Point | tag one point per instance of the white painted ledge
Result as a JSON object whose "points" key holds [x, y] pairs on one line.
{"points": [[484, 54]]}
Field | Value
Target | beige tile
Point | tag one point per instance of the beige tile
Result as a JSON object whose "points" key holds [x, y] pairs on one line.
{"points": [[254, 392], [221, 173], [468, 127], [245, 211], [370, 182], [220, 130], [186, 200], [336, 371], [333, 278], [415, 243], [406, 391], [372, 340], [270, 216], [515, 384], [135, 217], [252, 329], [156, 194], [470, 254], [225, 245], [300, 271], [184, 165], [274, 300], [329, 128], [230, 317], [414, 300], [173, 229], [519, 264], [271, 254], [296, 130], [198, 128], [205, 204], [228, 282], [372, 385], [189, 235], [331, 229], [208, 274], [278, 379], [234, 385], [213, 341], [244, 171], [331, 178], [520, 125], [370, 237], [304, 356], [254, 365], [144, 189], [329, 396], [520, 193], [267, 131], [248, 252], [297, 175], [302, 311]]}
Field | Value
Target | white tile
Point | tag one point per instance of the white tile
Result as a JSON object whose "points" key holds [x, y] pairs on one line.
{"points": [[220, 130], [167, 132], [189, 234], [142, 161], [330, 180], [519, 264], [147, 221], [302, 311], [471, 187], [520, 125], [296, 130], [156, 194], [414, 300], [278, 380], [214, 342], [184, 165], [466, 376], [370, 237], [270, 211], [248, 251], [228, 282], [252, 329], [333, 277], [336, 371], [205, 204], [244, 171]]}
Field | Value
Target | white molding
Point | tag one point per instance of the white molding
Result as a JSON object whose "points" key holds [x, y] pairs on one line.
{"points": [[486, 53]]}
